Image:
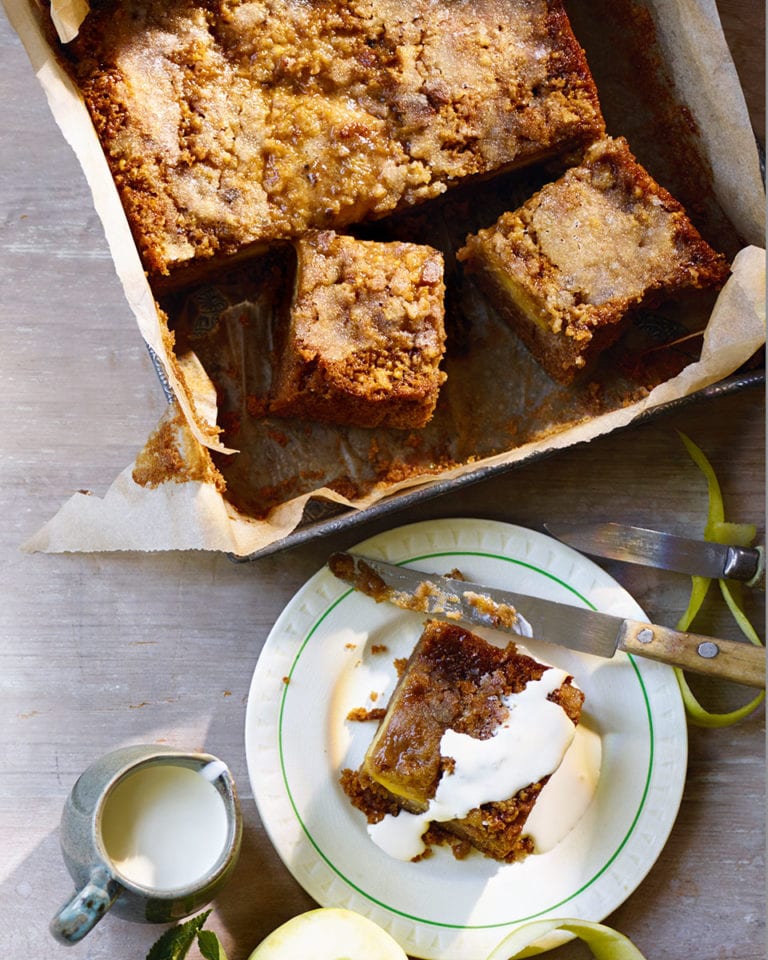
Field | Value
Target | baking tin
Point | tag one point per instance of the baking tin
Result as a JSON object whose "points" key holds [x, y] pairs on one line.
{"points": [[323, 518]]}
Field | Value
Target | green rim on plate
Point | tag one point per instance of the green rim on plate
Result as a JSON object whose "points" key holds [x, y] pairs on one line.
{"points": [[316, 666], [364, 893]]}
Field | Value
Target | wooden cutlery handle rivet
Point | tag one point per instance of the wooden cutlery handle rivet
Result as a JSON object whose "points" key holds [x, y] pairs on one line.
{"points": [[728, 659], [707, 649]]}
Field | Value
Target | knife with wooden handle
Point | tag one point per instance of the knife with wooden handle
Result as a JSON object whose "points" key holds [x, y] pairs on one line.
{"points": [[580, 629]]}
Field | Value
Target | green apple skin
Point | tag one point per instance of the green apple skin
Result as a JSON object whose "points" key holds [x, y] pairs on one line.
{"points": [[329, 933]]}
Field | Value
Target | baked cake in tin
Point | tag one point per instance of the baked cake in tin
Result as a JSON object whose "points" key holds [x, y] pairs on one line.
{"points": [[365, 334], [232, 123], [569, 266]]}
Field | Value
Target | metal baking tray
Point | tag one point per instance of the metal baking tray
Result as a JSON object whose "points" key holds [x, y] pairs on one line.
{"points": [[322, 518]]}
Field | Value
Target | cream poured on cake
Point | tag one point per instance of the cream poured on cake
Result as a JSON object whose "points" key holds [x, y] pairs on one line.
{"points": [[471, 736]]}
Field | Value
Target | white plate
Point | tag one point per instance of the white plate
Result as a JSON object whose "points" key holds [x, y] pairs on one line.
{"points": [[321, 660]]}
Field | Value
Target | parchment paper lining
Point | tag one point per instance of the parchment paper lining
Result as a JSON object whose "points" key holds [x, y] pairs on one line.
{"points": [[186, 508]]}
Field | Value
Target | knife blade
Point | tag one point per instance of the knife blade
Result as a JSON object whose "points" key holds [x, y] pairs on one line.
{"points": [[588, 631], [667, 551]]}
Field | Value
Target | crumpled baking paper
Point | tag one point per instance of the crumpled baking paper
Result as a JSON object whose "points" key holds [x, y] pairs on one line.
{"points": [[173, 497], [183, 509]]}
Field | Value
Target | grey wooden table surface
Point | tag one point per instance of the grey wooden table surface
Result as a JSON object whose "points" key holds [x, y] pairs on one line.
{"points": [[104, 650]]}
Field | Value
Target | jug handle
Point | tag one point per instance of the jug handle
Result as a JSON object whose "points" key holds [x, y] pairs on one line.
{"points": [[86, 907]]}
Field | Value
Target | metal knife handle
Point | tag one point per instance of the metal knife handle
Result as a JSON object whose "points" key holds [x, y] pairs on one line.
{"points": [[758, 580], [741, 662]]}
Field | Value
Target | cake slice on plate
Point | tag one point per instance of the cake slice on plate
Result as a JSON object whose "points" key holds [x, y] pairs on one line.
{"points": [[471, 735]]}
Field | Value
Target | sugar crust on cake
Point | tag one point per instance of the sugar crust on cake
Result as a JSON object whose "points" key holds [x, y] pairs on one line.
{"points": [[230, 123], [453, 680], [567, 267], [365, 333]]}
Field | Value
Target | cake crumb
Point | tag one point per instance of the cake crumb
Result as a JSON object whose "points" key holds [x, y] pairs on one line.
{"points": [[363, 714]]}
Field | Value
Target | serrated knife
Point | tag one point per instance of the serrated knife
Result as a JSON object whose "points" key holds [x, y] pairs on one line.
{"points": [[652, 548], [601, 634]]}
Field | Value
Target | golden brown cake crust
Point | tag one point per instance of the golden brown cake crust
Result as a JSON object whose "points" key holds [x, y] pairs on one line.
{"points": [[566, 268], [365, 335], [232, 122], [454, 680]]}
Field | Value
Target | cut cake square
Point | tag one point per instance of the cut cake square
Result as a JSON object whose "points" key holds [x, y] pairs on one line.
{"points": [[567, 268], [365, 335], [456, 681]]}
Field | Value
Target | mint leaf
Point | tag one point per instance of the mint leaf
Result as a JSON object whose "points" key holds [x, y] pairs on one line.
{"points": [[174, 944], [210, 945]]}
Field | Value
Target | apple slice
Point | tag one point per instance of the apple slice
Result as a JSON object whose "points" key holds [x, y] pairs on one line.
{"points": [[329, 933]]}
